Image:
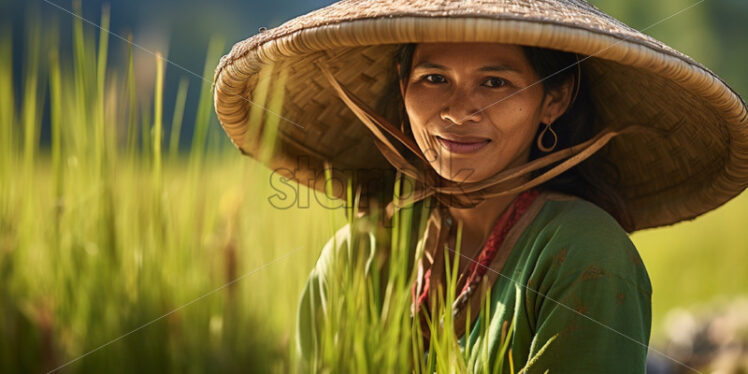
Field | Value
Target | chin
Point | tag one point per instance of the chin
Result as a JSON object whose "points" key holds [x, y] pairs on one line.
{"points": [[461, 174]]}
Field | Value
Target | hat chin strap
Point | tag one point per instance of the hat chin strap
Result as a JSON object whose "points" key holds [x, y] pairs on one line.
{"points": [[468, 194]]}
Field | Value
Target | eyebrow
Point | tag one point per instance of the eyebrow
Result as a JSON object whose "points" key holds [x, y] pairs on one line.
{"points": [[431, 65]]}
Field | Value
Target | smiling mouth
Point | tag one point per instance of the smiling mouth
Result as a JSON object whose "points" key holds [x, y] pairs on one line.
{"points": [[463, 146]]}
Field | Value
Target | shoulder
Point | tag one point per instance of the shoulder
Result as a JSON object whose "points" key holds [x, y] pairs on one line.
{"points": [[332, 248], [312, 304], [589, 294], [368, 233], [570, 213], [349, 242], [578, 238], [575, 221]]}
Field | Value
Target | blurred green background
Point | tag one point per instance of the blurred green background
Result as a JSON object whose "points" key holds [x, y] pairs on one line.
{"points": [[122, 200]]}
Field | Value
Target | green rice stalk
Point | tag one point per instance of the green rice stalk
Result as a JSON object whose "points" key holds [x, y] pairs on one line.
{"points": [[32, 97], [7, 104], [101, 63], [205, 103], [132, 116], [81, 81], [146, 144], [176, 119], [56, 102], [157, 121]]}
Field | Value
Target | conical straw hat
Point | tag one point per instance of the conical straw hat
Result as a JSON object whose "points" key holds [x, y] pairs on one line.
{"points": [[270, 84]]}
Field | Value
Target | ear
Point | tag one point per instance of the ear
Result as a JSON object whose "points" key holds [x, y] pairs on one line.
{"points": [[557, 101]]}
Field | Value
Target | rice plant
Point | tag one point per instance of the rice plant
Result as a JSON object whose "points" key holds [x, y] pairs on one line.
{"points": [[117, 253], [121, 252], [367, 327]]}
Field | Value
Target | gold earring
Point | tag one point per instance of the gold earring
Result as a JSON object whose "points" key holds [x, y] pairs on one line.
{"points": [[542, 134]]}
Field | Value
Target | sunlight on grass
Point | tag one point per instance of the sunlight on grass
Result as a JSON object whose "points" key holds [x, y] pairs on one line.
{"points": [[120, 252], [100, 234]]}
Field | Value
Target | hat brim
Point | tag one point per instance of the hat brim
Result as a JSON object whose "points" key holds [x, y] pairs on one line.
{"points": [[633, 78]]}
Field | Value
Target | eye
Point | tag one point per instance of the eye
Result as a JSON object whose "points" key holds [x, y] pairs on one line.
{"points": [[496, 82], [438, 78]]}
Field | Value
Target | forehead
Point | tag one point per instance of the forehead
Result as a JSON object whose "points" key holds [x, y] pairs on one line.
{"points": [[471, 54]]}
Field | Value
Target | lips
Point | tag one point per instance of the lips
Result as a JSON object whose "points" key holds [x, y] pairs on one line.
{"points": [[462, 145]]}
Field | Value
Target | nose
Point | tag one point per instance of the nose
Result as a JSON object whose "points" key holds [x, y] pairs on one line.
{"points": [[460, 111]]}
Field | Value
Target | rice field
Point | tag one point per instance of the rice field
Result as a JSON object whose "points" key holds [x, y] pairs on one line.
{"points": [[122, 252]]}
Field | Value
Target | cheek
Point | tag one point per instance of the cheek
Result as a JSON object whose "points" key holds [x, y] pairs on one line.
{"points": [[420, 113], [515, 129], [419, 103], [515, 123]]}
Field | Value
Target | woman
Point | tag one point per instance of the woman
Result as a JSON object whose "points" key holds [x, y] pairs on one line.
{"points": [[546, 159], [442, 92]]}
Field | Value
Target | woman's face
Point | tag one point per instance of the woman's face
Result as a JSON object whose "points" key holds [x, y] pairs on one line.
{"points": [[474, 108]]}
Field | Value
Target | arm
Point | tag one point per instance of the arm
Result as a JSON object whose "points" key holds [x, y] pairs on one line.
{"points": [[597, 303], [308, 317], [312, 308], [601, 325], [312, 304]]}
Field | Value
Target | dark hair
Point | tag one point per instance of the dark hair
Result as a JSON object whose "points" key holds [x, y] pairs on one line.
{"points": [[590, 179]]}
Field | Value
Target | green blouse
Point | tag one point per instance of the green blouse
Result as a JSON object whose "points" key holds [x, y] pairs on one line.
{"points": [[572, 272]]}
